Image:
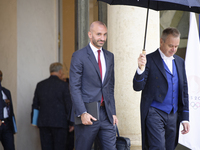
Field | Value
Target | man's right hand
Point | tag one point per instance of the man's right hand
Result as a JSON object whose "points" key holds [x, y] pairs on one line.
{"points": [[142, 61], [86, 119]]}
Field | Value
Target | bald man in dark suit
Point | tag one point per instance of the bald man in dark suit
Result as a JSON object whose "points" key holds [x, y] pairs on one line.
{"points": [[92, 80]]}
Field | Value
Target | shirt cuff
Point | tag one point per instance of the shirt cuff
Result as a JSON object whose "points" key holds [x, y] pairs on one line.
{"points": [[82, 113], [139, 71], [184, 121]]}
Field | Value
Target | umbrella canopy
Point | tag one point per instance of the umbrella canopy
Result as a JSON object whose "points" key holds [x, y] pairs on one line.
{"points": [[184, 5]]}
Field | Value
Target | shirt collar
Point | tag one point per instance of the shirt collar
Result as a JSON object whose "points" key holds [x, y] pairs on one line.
{"points": [[165, 57], [94, 49]]}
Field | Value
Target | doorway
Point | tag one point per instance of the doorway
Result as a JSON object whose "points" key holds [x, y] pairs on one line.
{"points": [[70, 27]]}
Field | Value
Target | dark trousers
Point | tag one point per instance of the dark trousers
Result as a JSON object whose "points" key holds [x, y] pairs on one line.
{"points": [[161, 129], [70, 141], [53, 138], [6, 135], [103, 129]]}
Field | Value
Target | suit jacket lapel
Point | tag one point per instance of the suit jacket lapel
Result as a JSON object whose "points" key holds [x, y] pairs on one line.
{"points": [[107, 61], [159, 63], [93, 60], [179, 69], [6, 93]]}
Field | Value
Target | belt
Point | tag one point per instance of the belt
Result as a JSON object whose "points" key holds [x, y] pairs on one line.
{"points": [[102, 104]]}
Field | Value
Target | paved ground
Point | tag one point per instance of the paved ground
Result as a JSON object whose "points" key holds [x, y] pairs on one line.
{"points": [[179, 147]]}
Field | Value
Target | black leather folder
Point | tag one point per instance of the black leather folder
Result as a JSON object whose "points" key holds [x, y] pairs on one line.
{"points": [[92, 108]]}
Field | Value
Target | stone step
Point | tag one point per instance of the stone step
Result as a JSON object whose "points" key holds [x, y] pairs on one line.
{"points": [[179, 147]]}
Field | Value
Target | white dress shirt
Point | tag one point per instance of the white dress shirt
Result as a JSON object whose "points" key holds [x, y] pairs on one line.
{"points": [[167, 60], [103, 62], [5, 111]]}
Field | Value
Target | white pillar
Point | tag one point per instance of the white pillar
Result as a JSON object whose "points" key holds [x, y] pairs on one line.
{"points": [[8, 47], [28, 46], [126, 26], [36, 49]]}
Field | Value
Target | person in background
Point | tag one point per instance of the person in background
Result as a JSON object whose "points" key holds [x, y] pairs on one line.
{"points": [[53, 105], [164, 101], [70, 138], [7, 122]]}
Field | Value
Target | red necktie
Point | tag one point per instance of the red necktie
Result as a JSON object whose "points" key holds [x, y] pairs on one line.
{"points": [[99, 62], [100, 68]]}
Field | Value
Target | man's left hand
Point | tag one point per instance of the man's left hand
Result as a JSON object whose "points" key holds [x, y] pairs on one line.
{"points": [[186, 127], [115, 120]]}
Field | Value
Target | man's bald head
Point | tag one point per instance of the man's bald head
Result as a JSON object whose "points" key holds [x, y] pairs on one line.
{"points": [[96, 23]]}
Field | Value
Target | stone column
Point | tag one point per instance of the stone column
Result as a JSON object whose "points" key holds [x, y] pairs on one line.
{"points": [[28, 46], [8, 49], [82, 23], [126, 26], [103, 15], [37, 48]]}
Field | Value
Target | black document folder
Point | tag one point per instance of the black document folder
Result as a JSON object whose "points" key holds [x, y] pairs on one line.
{"points": [[92, 108]]}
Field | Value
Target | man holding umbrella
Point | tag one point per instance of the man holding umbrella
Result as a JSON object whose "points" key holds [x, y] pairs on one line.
{"points": [[164, 101]]}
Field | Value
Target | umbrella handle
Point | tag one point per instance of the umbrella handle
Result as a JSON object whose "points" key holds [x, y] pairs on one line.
{"points": [[143, 52]]}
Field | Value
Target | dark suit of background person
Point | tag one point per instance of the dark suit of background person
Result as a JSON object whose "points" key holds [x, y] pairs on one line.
{"points": [[8, 126], [70, 134], [2, 105], [52, 99], [156, 82], [86, 86]]}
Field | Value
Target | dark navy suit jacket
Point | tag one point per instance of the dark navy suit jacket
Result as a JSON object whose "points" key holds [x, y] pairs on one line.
{"points": [[85, 81], [2, 103], [154, 86], [11, 116], [53, 101]]}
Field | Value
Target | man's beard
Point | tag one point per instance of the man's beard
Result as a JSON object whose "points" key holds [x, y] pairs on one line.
{"points": [[96, 43]]}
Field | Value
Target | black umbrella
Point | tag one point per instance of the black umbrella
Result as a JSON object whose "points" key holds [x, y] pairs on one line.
{"points": [[184, 5]]}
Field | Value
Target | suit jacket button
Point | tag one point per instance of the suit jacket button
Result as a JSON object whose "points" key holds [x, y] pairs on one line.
{"points": [[159, 95], [156, 77]]}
